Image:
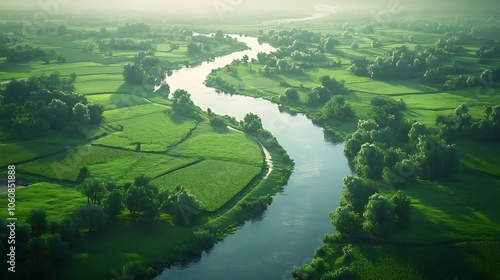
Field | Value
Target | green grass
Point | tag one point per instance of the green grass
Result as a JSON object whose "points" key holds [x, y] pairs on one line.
{"points": [[213, 182], [155, 132], [479, 156], [19, 151], [103, 162], [463, 209], [472, 260], [116, 100], [57, 200], [208, 142]]}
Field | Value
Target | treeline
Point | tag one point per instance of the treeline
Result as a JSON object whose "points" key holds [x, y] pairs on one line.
{"points": [[38, 105], [125, 44], [201, 43], [146, 70], [41, 244], [401, 63], [131, 29], [297, 50], [461, 125]]}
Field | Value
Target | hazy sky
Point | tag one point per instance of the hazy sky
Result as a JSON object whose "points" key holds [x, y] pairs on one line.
{"points": [[189, 6]]}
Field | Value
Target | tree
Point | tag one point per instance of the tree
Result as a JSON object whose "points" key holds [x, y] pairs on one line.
{"points": [[136, 199], [134, 73], [417, 130], [401, 203], [436, 157], [164, 90], [93, 189], [252, 122], [182, 205], [337, 108], [58, 249], [345, 219], [81, 114], [379, 215], [334, 86], [91, 217], [356, 192], [138, 271], [193, 47], [292, 94], [57, 113], [151, 211], [113, 203], [38, 221], [181, 97], [369, 162], [69, 230], [38, 256], [61, 30], [95, 113]]}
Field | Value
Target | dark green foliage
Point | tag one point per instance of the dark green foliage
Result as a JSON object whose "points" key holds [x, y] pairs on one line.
{"points": [[38, 256], [252, 123], [164, 90], [133, 29], [356, 192], [35, 106], [69, 230], [379, 215], [346, 220], [38, 220], [91, 217], [334, 86], [369, 162], [95, 113], [436, 157], [400, 174], [93, 189], [57, 113], [401, 203], [113, 203], [61, 30], [58, 249], [136, 270], [22, 53], [204, 239], [81, 114], [291, 94], [193, 47], [181, 205], [133, 73], [337, 108], [136, 199]]}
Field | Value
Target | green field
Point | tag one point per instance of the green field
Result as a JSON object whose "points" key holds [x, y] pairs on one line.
{"points": [[155, 132], [213, 182], [57, 200], [224, 144]]}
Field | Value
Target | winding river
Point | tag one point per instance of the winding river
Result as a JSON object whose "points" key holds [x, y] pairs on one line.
{"points": [[295, 223]]}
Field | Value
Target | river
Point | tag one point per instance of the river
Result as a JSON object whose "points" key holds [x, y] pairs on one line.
{"points": [[294, 224]]}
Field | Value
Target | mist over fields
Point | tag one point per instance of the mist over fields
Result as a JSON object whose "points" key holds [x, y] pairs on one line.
{"points": [[209, 6]]}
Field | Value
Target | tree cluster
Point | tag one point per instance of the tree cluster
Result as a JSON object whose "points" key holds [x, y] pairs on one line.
{"points": [[40, 104], [377, 151], [399, 63], [131, 29], [460, 124], [146, 70], [365, 212]]}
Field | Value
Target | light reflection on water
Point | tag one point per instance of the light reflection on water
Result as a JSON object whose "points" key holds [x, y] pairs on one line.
{"points": [[294, 224]]}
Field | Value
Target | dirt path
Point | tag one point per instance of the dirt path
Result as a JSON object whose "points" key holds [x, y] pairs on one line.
{"points": [[267, 154]]}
